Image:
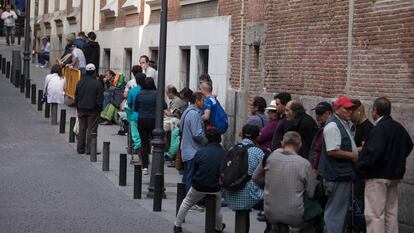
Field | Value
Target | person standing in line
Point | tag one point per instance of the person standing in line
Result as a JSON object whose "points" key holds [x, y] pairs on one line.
{"points": [[150, 72], [92, 50], [9, 17], [88, 102], [257, 110], [55, 84], [78, 60], [382, 164], [264, 140]]}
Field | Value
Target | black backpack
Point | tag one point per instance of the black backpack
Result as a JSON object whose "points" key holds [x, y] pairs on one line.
{"points": [[234, 166]]}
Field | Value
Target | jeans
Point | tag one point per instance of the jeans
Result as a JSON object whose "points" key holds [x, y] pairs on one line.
{"points": [[42, 58], [339, 194], [107, 98], [188, 173], [88, 124], [9, 34], [145, 128]]}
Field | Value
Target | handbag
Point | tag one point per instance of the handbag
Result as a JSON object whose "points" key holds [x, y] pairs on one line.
{"points": [[44, 97]]}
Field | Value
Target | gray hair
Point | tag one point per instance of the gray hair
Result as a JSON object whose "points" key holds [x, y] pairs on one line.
{"points": [[206, 87], [292, 138]]}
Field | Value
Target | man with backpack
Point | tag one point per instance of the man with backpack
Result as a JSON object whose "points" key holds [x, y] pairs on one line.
{"points": [[214, 115], [205, 179]]}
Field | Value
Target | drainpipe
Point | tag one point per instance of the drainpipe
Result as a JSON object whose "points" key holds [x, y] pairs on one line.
{"points": [[241, 43]]}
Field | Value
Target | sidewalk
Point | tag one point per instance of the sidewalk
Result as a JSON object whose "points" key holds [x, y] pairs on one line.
{"points": [[194, 221]]}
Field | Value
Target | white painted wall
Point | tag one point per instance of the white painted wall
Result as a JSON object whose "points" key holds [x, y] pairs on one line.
{"points": [[87, 16], [62, 5], [213, 32]]}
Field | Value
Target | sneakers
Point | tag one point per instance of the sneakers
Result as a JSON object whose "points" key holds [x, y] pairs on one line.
{"points": [[260, 217], [222, 229], [145, 171], [197, 208], [177, 229]]}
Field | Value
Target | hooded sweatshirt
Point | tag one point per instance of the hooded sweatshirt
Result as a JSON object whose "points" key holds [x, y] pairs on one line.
{"points": [[92, 53]]}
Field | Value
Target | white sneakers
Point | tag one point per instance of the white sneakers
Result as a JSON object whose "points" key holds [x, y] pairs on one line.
{"points": [[145, 171]]}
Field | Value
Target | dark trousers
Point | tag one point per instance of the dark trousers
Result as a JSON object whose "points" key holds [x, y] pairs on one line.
{"points": [[88, 124], [145, 128], [9, 34], [42, 58]]}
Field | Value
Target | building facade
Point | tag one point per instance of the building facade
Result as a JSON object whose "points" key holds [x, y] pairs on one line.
{"points": [[315, 49]]}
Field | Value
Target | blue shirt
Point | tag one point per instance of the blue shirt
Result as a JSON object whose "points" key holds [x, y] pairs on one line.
{"points": [[251, 194], [192, 130], [131, 101]]}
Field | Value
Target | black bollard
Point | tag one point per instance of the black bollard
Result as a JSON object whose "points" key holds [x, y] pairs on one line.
{"points": [[17, 79], [8, 70], [62, 123], [22, 83], [39, 100], [122, 169], [210, 202], [156, 207], [180, 196], [27, 82], [242, 223], [11, 75], [72, 122], [33, 92], [54, 113], [3, 65], [105, 156], [137, 181], [130, 143], [47, 110], [93, 147]]}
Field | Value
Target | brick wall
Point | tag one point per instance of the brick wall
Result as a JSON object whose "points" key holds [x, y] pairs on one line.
{"points": [[121, 19]]}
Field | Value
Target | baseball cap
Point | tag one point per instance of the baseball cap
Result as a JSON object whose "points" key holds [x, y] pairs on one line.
{"points": [[90, 67], [272, 105], [344, 102], [322, 107], [250, 131]]}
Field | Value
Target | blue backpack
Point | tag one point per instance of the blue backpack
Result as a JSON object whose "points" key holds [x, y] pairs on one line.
{"points": [[218, 116]]}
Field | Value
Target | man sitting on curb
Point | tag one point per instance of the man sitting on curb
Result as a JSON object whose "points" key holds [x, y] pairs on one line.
{"points": [[205, 179]]}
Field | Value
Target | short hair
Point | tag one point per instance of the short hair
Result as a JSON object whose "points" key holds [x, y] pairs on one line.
{"points": [[260, 103], [206, 87], [81, 34], [250, 131], [111, 72], [149, 84], [171, 89], [284, 97], [196, 96], [136, 69], [205, 78], [297, 108], [292, 138], [139, 78], [186, 93], [213, 135], [146, 58], [92, 35], [56, 69], [91, 72], [382, 106]]}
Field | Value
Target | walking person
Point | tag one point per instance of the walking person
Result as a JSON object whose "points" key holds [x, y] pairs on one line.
{"points": [[88, 102], [55, 84], [382, 165], [9, 17]]}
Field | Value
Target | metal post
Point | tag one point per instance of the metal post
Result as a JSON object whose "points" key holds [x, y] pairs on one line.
{"points": [[3, 65], [22, 83], [93, 147], [39, 100], [17, 79], [11, 75], [54, 113], [242, 221], [33, 92], [122, 169], [157, 166], [137, 181], [8, 70], [72, 122], [105, 156], [180, 196], [47, 110], [27, 82], [62, 123], [26, 52], [210, 201], [156, 207]]}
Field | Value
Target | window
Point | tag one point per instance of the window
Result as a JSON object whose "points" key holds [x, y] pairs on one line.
{"points": [[188, 2], [128, 63], [202, 61], [185, 58], [106, 63], [153, 56]]}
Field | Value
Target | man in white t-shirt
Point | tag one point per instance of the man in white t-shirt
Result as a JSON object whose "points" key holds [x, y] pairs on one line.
{"points": [[78, 59], [9, 17], [147, 69], [43, 53]]}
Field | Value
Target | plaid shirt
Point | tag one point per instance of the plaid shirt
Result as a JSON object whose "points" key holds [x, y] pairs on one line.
{"points": [[246, 198]]}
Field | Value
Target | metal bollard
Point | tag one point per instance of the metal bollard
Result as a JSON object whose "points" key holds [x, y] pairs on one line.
{"points": [[105, 156], [180, 196], [156, 207], [54, 113], [122, 169], [137, 181], [62, 123], [8, 70], [242, 223], [72, 122], [47, 110], [27, 82], [17, 79], [33, 92], [3, 65], [130, 142], [39, 100], [11, 75], [22, 83], [210, 202], [93, 147]]}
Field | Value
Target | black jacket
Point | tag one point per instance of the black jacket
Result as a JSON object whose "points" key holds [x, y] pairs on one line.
{"points": [[206, 171], [384, 154], [305, 125], [89, 95], [92, 53]]}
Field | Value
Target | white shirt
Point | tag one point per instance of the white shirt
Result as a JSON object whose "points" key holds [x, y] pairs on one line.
{"points": [[55, 88], [46, 47], [130, 84], [332, 136], [81, 58], [151, 72], [9, 18]]}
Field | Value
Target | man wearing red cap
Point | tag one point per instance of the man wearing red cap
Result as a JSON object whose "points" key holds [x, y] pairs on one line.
{"points": [[336, 166]]}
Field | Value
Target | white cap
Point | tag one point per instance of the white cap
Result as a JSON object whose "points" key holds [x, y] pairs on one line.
{"points": [[90, 67], [272, 105]]}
